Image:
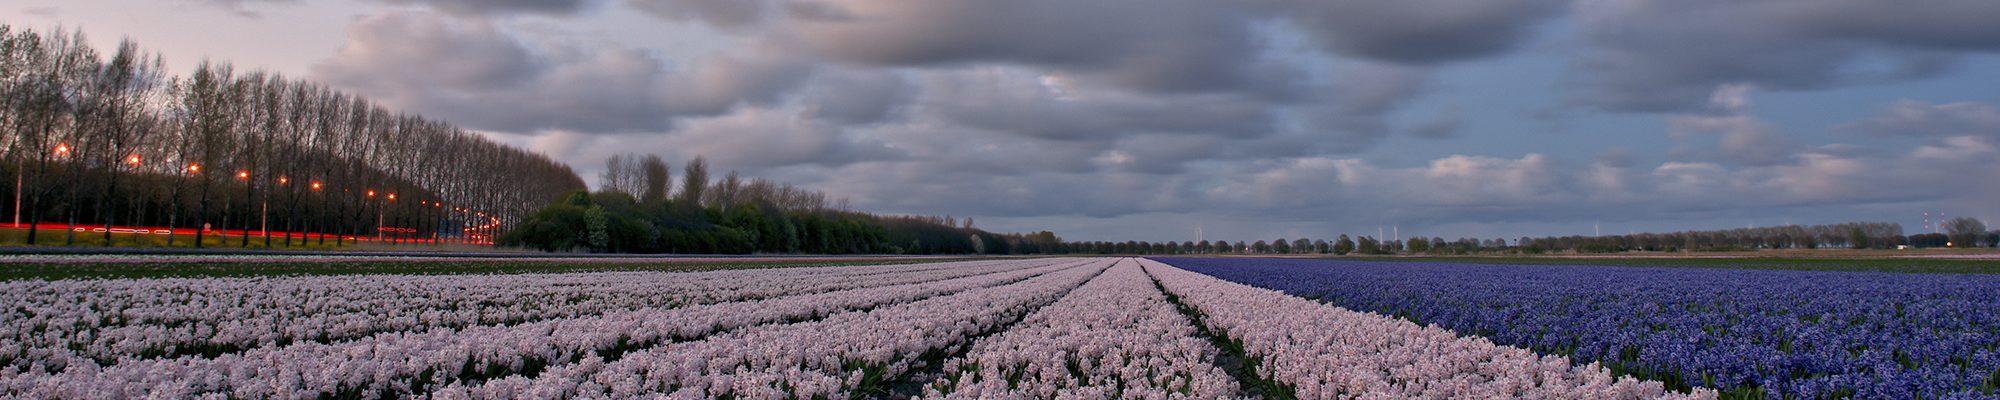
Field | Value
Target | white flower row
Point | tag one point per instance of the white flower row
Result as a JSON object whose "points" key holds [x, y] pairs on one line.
{"points": [[1115, 337], [829, 358], [408, 363], [112, 319], [1324, 351]]}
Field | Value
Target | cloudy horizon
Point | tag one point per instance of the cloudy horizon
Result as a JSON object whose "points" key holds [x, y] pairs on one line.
{"points": [[1145, 120]]}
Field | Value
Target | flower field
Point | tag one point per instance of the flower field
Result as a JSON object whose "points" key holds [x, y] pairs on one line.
{"points": [[1005, 328], [1747, 333]]}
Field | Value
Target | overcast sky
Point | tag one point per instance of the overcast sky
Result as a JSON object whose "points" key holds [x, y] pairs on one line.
{"points": [[1145, 119]]}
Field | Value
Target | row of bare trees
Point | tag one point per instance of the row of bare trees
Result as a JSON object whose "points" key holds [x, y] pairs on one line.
{"points": [[105, 142], [638, 210], [648, 179]]}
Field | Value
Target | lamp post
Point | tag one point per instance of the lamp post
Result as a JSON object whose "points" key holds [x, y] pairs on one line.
{"points": [[133, 162], [263, 215], [379, 222], [191, 170], [311, 222], [378, 215]]}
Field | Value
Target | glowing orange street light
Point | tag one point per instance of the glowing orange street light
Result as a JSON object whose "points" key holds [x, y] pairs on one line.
{"points": [[134, 160], [371, 192], [242, 174], [194, 167], [282, 180], [315, 185], [62, 149], [392, 197]]}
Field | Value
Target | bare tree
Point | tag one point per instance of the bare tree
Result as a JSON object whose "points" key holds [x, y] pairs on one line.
{"points": [[694, 182]]}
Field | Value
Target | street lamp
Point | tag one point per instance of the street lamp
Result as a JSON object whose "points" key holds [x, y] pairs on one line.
{"points": [[134, 160]]}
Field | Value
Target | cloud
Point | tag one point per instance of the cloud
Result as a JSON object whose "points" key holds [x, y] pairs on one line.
{"points": [[500, 7], [401, 50], [1656, 55], [727, 15], [1924, 119], [757, 137], [1417, 32], [858, 96], [1018, 101], [1353, 113], [1444, 125], [1453, 181], [471, 8], [1743, 138]]}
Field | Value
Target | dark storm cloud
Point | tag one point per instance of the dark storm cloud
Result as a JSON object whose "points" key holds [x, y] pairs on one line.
{"points": [[858, 96], [472, 73], [1652, 55], [1162, 46]]}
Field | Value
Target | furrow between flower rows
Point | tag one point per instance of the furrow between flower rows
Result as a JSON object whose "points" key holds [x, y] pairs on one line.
{"points": [[836, 357], [1115, 337], [1324, 351]]}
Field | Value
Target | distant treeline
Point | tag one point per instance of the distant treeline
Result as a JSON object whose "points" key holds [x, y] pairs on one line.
{"points": [[105, 140], [638, 210], [1960, 232]]}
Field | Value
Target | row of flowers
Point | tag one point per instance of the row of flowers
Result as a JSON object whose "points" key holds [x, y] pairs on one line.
{"points": [[110, 320], [842, 356], [1115, 337], [402, 363], [1751, 333], [1323, 351]]}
